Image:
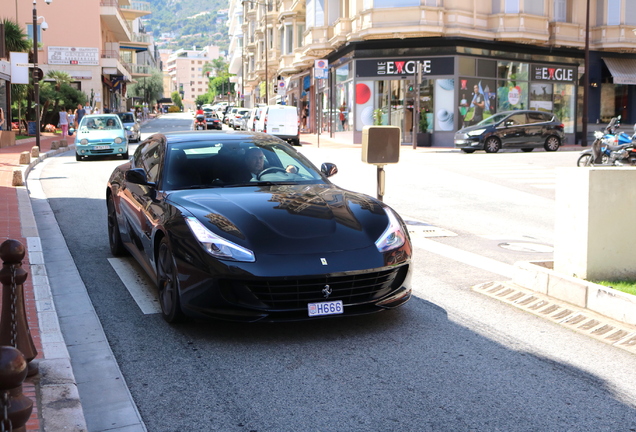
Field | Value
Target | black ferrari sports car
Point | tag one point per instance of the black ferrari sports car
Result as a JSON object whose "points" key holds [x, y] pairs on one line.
{"points": [[240, 226]]}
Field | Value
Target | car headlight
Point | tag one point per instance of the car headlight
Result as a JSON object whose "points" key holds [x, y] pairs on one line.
{"points": [[84, 141], [218, 246], [476, 132], [118, 140], [394, 236]]}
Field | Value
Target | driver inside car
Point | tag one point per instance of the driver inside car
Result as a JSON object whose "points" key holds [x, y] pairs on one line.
{"points": [[255, 161]]}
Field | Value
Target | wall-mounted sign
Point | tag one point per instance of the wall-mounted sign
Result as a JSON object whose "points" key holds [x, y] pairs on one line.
{"points": [[81, 56], [5, 70], [404, 67], [553, 73]]}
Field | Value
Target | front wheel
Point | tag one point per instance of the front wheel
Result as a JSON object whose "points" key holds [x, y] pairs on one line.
{"points": [[492, 145], [552, 143], [584, 160], [168, 283], [114, 236], [78, 157]]}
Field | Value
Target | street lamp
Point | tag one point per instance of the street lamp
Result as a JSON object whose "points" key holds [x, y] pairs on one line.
{"points": [[266, 4], [36, 79], [586, 80]]}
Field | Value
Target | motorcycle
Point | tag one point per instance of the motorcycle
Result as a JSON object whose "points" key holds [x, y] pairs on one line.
{"points": [[610, 148], [199, 122]]}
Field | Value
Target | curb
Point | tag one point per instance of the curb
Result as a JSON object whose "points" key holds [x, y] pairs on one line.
{"points": [[538, 276]]}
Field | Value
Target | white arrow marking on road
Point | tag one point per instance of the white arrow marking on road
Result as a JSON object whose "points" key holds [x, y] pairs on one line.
{"points": [[140, 287]]}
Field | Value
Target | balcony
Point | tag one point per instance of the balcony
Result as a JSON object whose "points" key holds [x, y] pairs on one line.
{"points": [[567, 34], [137, 70], [340, 32], [136, 9], [520, 28], [618, 38], [111, 15], [112, 65], [316, 42]]}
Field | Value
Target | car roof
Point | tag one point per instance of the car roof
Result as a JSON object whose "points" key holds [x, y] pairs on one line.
{"points": [[229, 135]]}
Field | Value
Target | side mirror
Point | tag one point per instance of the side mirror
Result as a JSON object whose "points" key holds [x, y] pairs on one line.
{"points": [[329, 169], [137, 176]]}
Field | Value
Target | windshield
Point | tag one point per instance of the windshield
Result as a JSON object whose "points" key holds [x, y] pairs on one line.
{"points": [[492, 119], [232, 163], [100, 122], [126, 117]]}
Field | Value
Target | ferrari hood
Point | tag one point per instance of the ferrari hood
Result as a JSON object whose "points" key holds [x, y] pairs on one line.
{"points": [[283, 218]]}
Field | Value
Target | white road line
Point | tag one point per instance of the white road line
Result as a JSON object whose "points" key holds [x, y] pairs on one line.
{"points": [[465, 257], [141, 289]]}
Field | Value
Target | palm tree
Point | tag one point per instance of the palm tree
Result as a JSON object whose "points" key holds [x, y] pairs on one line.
{"points": [[215, 68], [15, 39], [60, 77]]}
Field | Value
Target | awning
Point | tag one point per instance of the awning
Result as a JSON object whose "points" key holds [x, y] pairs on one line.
{"points": [[623, 70]]}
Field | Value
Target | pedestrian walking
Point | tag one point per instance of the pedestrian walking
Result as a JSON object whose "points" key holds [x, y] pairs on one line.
{"points": [[63, 122], [1, 119]]}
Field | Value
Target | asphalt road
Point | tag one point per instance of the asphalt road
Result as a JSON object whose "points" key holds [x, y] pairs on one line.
{"points": [[449, 360]]}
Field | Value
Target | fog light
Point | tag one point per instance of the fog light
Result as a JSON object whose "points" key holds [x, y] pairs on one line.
{"points": [[121, 150]]}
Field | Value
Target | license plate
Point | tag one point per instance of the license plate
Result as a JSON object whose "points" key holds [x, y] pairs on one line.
{"points": [[275, 129], [325, 308], [101, 147]]}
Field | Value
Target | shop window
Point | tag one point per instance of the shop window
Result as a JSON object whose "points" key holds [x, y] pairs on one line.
{"points": [[565, 105], [541, 96], [512, 95], [467, 66], [513, 71]]}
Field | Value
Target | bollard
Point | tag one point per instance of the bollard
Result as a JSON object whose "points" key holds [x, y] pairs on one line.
{"points": [[63, 143], [25, 158], [17, 179], [35, 152], [55, 145], [15, 407], [14, 327]]}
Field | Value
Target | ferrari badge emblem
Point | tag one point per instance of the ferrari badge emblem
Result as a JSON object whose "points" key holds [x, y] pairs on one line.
{"points": [[323, 261], [327, 291]]}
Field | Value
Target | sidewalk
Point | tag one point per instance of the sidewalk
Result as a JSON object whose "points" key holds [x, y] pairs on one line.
{"points": [[53, 383]]}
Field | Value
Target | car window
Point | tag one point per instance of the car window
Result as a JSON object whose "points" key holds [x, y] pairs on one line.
{"points": [[148, 157], [126, 117], [517, 119], [227, 164], [492, 119], [538, 117], [100, 123]]}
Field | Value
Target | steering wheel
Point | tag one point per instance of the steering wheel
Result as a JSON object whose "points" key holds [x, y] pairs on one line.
{"points": [[269, 171]]}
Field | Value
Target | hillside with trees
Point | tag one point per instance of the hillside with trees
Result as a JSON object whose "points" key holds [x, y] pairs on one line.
{"points": [[188, 23]]}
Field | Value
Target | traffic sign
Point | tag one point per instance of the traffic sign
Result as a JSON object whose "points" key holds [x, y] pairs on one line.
{"points": [[38, 74], [25, 65]]}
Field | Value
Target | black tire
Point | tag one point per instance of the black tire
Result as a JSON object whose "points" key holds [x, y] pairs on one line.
{"points": [[527, 149], [584, 160], [168, 283], [552, 143], [125, 155], [468, 150], [492, 144], [78, 157], [114, 237]]}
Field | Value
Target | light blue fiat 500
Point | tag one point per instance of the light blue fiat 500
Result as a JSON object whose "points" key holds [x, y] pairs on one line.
{"points": [[101, 135]]}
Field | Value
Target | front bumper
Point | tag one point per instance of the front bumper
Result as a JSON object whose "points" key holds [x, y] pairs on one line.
{"points": [[468, 142], [101, 149]]}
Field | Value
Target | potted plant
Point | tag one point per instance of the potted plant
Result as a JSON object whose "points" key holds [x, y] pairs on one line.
{"points": [[423, 136]]}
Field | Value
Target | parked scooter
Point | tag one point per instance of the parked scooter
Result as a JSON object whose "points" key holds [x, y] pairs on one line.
{"points": [[610, 148]]}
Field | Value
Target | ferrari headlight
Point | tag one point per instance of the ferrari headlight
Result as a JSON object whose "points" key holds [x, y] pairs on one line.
{"points": [[475, 132], [394, 236], [84, 141], [218, 246], [118, 140]]}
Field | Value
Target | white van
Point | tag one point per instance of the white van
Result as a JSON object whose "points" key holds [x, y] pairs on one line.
{"points": [[281, 121]]}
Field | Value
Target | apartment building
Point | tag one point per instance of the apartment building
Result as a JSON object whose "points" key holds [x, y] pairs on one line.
{"points": [[185, 69], [102, 44], [516, 53]]}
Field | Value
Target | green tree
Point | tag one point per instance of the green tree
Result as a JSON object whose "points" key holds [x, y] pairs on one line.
{"points": [[220, 86], [215, 68], [16, 40], [176, 99], [149, 88]]}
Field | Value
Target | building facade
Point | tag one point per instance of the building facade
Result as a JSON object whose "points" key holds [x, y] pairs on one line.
{"points": [[102, 44], [516, 54], [186, 71]]}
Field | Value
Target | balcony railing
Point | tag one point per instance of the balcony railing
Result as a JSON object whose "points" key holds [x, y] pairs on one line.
{"points": [[138, 5], [142, 38]]}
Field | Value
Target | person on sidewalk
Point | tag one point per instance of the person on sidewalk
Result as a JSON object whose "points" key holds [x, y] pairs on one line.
{"points": [[1, 119], [79, 113], [63, 122]]}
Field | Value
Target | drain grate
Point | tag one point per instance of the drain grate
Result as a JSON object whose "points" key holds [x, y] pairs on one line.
{"points": [[580, 320]]}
